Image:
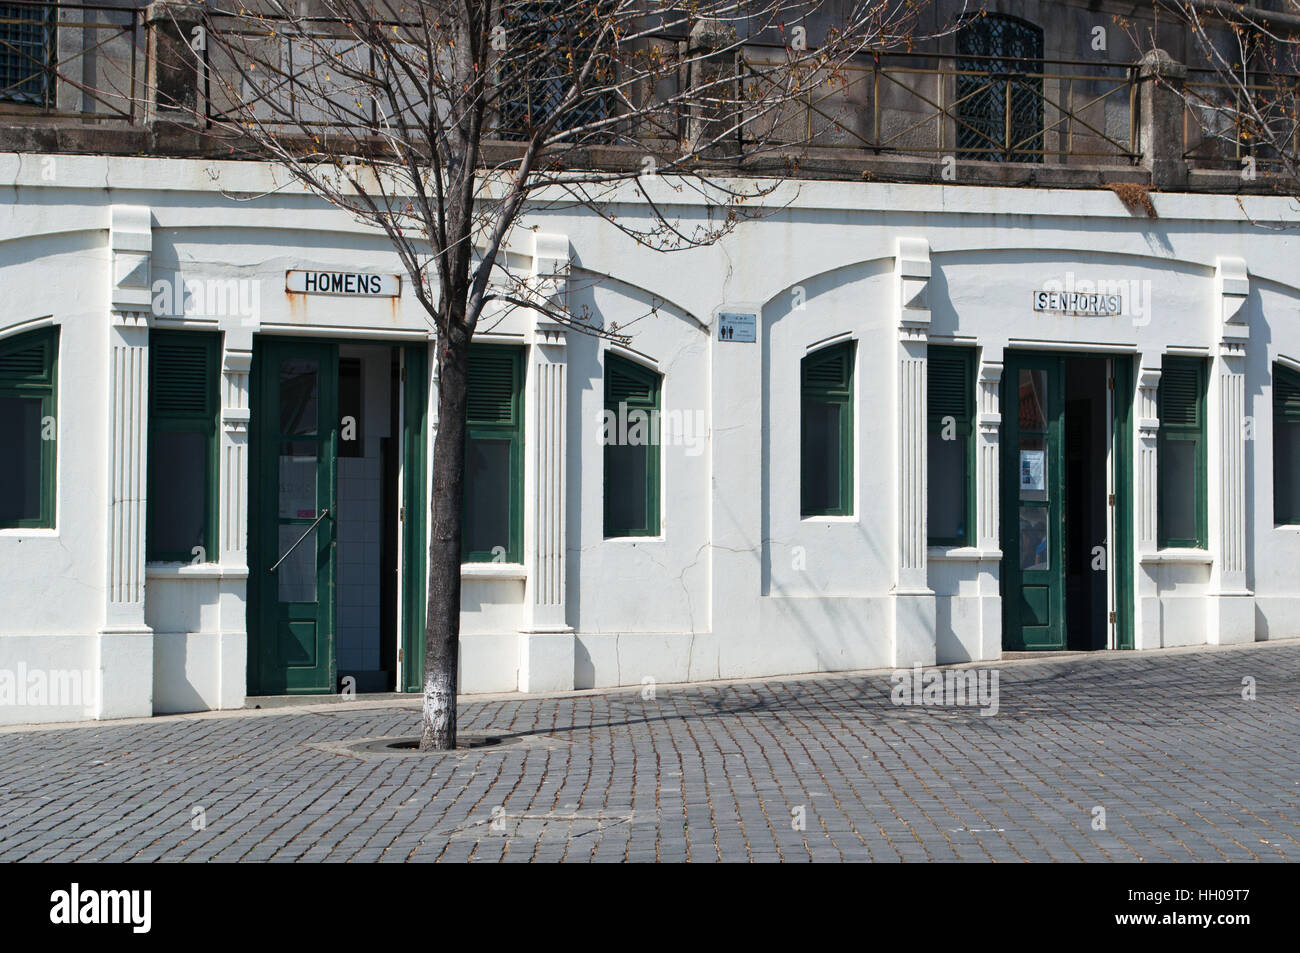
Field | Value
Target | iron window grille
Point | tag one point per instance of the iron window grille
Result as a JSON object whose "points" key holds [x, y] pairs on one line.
{"points": [[545, 49], [999, 90], [27, 53]]}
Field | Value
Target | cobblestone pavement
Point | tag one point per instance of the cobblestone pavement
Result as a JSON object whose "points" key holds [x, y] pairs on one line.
{"points": [[1183, 767]]}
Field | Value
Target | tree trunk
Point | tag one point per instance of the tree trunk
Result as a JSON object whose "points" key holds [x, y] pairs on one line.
{"points": [[442, 622]]}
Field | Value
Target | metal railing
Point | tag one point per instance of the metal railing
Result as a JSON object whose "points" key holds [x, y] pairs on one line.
{"points": [[93, 61], [925, 104], [1220, 117]]}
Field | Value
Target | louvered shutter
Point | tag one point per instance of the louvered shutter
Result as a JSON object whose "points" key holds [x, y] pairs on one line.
{"points": [[1286, 394], [1181, 388], [493, 380], [829, 372], [183, 378], [28, 358], [950, 391], [629, 383]]}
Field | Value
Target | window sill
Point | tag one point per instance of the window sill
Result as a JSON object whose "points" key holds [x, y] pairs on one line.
{"points": [[40, 532], [962, 554], [829, 519], [1201, 557], [1287, 527], [493, 571], [634, 539], [194, 571]]}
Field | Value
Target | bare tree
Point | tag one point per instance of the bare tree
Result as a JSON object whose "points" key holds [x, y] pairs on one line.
{"points": [[1243, 87], [442, 123]]}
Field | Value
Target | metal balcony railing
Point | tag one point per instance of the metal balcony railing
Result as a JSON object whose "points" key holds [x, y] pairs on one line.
{"points": [[97, 62], [1222, 124], [922, 104]]}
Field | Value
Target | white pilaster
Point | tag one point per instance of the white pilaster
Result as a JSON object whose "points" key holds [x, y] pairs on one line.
{"points": [[547, 643], [914, 635], [1146, 629], [1232, 604], [988, 437], [125, 643], [232, 531]]}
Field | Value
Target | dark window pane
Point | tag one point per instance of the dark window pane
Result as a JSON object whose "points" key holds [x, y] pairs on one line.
{"points": [[298, 396], [1178, 489], [1286, 471], [487, 495], [1034, 538], [821, 456], [625, 484], [351, 440], [180, 491], [1033, 400], [20, 459], [296, 575], [946, 510]]}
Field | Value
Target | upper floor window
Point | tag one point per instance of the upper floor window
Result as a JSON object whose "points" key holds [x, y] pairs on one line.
{"points": [[1181, 453], [826, 432], [26, 53], [546, 46], [1286, 445], [999, 104], [27, 428], [493, 526]]}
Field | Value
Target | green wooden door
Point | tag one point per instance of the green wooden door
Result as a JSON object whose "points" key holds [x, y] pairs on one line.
{"points": [[1033, 504], [292, 518]]}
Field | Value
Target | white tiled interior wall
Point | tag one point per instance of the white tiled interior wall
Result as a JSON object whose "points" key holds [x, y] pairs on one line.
{"points": [[359, 520], [358, 560]]}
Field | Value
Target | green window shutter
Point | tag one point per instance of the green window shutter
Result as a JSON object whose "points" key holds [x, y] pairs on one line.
{"points": [[632, 476], [493, 384], [1286, 393], [184, 412], [826, 432], [183, 380], [1286, 445], [950, 402], [28, 429], [1181, 393], [27, 359], [492, 527], [1181, 453]]}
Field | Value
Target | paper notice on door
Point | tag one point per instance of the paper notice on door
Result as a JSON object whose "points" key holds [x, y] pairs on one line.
{"points": [[1031, 470]]}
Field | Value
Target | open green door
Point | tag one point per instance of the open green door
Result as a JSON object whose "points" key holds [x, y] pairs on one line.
{"points": [[292, 527], [1033, 510]]}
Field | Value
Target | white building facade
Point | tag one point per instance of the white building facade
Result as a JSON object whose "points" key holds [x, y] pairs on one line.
{"points": [[881, 425]]}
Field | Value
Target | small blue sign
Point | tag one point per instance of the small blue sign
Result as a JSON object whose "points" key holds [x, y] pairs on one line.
{"points": [[737, 327]]}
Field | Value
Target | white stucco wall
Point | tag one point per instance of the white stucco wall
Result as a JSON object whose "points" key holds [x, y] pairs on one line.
{"points": [[737, 584]]}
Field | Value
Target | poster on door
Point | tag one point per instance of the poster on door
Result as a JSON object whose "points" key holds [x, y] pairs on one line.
{"points": [[1031, 470]]}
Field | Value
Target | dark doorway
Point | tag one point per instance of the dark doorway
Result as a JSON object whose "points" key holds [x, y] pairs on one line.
{"points": [[1087, 419], [1066, 515]]}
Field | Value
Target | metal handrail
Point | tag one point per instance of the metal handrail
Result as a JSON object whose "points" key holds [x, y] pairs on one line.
{"points": [[307, 532]]}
